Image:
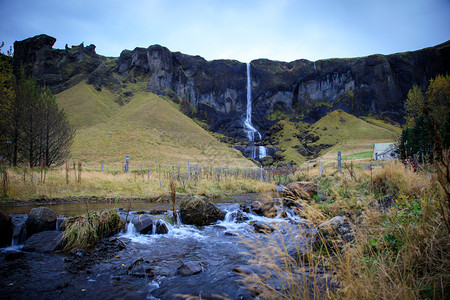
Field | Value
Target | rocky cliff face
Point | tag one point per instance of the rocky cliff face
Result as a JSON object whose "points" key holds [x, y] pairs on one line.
{"points": [[375, 84]]}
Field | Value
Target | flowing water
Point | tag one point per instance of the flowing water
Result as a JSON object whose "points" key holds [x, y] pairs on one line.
{"points": [[217, 250]]}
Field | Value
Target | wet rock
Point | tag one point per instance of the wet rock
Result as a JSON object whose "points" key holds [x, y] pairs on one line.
{"points": [[44, 241], [257, 207], [140, 268], [145, 224], [6, 229], [268, 209], [259, 227], [41, 219], [80, 260], [12, 254], [200, 211], [301, 189], [232, 233], [239, 217], [189, 268]]}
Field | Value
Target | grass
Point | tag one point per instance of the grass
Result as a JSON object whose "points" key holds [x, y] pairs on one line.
{"points": [[83, 231], [398, 253], [148, 128], [26, 184], [353, 136]]}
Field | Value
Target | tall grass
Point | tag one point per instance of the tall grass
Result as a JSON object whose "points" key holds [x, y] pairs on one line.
{"points": [[400, 252], [85, 230], [25, 184]]}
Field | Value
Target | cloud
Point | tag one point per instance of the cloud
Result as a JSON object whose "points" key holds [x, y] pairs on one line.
{"points": [[243, 30]]}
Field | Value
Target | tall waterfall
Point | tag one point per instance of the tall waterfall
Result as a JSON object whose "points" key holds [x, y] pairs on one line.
{"points": [[248, 126]]}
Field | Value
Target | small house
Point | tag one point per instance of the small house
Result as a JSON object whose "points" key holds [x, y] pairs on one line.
{"points": [[384, 151]]}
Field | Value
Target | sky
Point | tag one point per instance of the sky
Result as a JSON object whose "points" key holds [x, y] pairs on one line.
{"points": [[244, 30]]}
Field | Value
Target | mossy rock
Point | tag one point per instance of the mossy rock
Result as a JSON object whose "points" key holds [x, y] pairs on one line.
{"points": [[267, 161]]}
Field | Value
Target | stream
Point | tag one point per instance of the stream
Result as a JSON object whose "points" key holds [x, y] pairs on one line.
{"points": [[152, 266]]}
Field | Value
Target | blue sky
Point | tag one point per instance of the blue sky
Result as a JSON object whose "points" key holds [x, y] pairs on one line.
{"points": [[233, 29]]}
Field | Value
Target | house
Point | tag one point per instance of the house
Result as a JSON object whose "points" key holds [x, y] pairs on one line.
{"points": [[384, 151]]}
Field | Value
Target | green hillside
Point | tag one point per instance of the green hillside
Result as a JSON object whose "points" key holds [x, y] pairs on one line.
{"points": [[147, 128], [338, 131]]}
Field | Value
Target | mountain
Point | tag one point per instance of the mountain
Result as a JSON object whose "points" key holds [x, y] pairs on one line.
{"points": [[293, 94]]}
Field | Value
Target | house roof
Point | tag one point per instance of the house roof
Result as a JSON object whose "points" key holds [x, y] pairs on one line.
{"points": [[383, 147]]}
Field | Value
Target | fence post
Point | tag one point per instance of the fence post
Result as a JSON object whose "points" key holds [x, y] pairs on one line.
{"points": [[339, 159]]}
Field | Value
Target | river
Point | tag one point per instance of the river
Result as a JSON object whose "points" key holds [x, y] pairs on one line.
{"points": [[150, 266]]}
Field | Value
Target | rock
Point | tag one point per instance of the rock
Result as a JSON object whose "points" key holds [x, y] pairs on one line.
{"points": [[239, 216], [41, 219], [259, 227], [257, 207], [232, 233], [267, 208], [335, 233], [200, 212], [20, 228], [140, 268], [189, 268], [12, 254], [301, 189], [145, 224], [6, 229], [44, 241]]}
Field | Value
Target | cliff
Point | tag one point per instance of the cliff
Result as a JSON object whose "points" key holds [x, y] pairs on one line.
{"points": [[377, 84]]}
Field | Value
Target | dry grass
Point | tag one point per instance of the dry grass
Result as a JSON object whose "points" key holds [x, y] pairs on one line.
{"points": [[83, 231], [26, 184], [399, 253]]}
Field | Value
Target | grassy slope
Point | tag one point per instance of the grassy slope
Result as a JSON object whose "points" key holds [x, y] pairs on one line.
{"points": [[348, 134], [148, 128], [352, 135]]}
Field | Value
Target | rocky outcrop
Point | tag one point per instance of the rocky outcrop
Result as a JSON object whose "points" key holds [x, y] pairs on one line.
{"points": [[199, 211], [40, 219], [6, 229], [376, 84]]}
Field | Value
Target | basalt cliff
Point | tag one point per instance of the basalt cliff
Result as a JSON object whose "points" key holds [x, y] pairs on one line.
{"points": [[217, 90]]}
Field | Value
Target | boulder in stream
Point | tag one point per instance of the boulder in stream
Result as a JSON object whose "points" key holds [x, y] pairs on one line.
{"points": [[41, 219], [6, 229], [189, 268], [200, 211], [145, 224]]}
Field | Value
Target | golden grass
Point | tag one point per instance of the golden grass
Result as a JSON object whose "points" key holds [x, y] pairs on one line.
{"points": [[399, 253], [147, 129], [26, 184], [85, 230]]}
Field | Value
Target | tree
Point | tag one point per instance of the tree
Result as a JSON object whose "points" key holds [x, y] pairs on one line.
{"points": [[38, 131], [429, 132], [415, 105], [438, 98], [6, 101]]}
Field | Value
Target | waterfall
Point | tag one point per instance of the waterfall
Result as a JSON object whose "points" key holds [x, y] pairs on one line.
{"points": [[249, 129]]}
